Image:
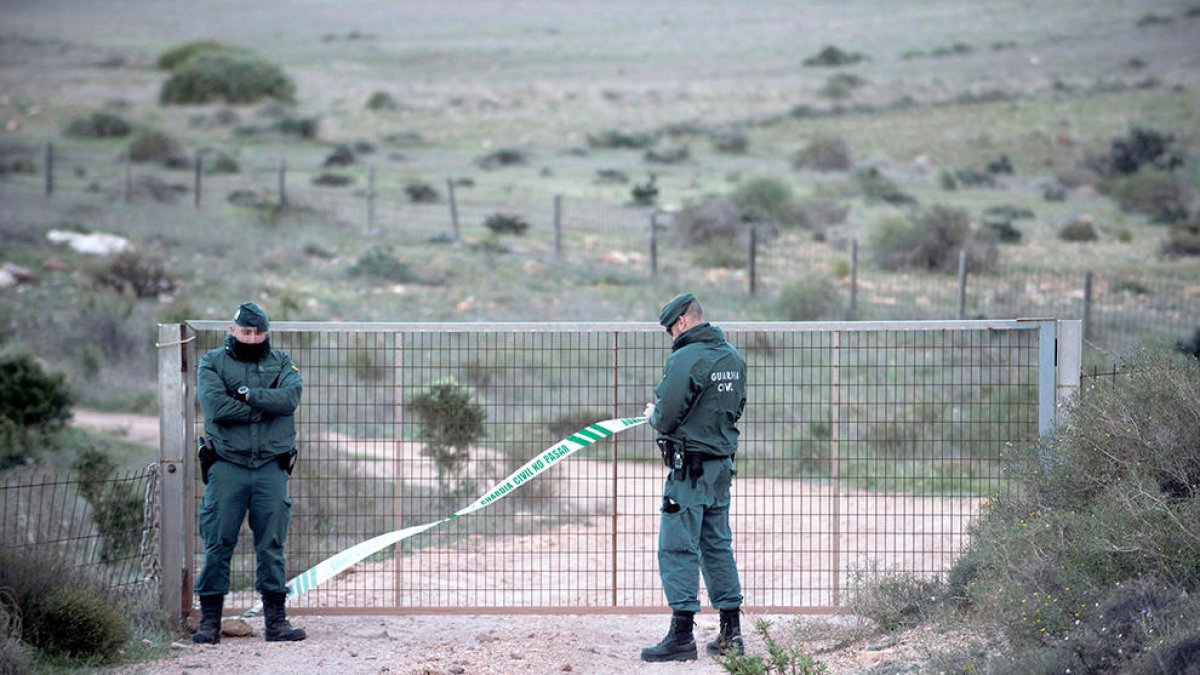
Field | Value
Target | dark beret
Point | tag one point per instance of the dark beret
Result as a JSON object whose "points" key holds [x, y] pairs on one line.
{"points": [[675, 308], [251, 315]]}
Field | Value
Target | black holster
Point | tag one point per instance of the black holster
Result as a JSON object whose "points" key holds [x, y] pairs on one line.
{"points": [[207, 454], [287, 460]]}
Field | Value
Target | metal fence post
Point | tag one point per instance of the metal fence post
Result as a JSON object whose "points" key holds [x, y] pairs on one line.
{"points": [[1087, 305], [49, 169], [1047, 377], [753, 255], [453, 208], [558, 226], [372, 228], [853, 277], [654, 243], [175, 598], [1070, 362], [961, 305], [198, 171], [128, 191], [282, 169]]}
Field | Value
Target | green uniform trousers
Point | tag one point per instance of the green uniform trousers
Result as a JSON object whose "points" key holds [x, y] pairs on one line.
{"points": [[232, 491], [694, 537]]}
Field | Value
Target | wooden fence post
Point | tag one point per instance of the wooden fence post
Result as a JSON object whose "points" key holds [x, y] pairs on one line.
{"points": [[453, 208], [282, 169], [373, 229], [961, 308], [853, 277], [654, 243], [128, 190], [49, 169], [753, 258], [198, 165], [1087, 305], [558, 226]]}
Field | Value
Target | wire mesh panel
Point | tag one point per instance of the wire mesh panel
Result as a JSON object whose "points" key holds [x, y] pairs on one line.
{"points": [[864, 446]]}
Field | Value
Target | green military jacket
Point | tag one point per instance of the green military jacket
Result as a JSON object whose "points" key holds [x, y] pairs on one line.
{"points": [[249, 434], [702, 393]]}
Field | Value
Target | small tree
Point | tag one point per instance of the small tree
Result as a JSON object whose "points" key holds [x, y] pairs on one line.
{"points": [[451, 420]]}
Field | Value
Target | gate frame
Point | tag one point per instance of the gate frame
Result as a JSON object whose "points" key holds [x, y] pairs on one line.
{"points": [[1060, 350]]}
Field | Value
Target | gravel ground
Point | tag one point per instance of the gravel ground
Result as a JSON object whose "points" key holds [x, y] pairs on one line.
{"points": [[494, 644]]}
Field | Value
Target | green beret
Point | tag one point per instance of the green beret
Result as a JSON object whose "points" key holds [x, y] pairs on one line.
{"points": [[251, 315], [675, 308]]}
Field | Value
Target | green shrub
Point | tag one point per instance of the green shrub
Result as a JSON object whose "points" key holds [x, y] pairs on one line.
{"points": [[877, 187], [451, 420], [420, 192], [222, 163], [668, 154], [713, 220], [506, 223], [931, 240], [151, 145], [380, 262], [1152, 19], [614, 139], [99, 125], [766, 199], [381, 100], [1163, 196], [78, 621], [503, 157], [19, 444], [811, 298], [1078, 230], [234, 77], [30, 397], [821, 211], [175, 56], [720, 255], [832, 56], [780, 657], [1183, 239], [731, 142], [645, 194], [117, 507], [896, 601], [824, 153], [1141, 148], [327, 179], [841, 85], [133, 273], [1097, 541], [304, 127]]}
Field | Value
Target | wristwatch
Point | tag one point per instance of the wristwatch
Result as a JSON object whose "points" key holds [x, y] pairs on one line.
{"points": [[243, 393]]}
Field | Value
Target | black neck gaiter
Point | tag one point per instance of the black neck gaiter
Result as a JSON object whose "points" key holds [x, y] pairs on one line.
{"points": [[243, 351]]}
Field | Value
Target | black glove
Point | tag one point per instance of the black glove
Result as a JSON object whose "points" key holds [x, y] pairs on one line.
{"points": [[207, 455], [287, 460]]}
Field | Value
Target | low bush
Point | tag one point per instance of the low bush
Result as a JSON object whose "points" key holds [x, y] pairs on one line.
{"points": [[304, 127], [231, 76], [152, 145], [381, 100], [1078, 230], [720, 255], [877, 187], [30, 397], [780, 658], [811, 298], [175, 56], [824, 153], [1139, 149], [896, 601], [1183, 239], [133, 273], [326, 179], [832, 56], [730, 142], [503, 157], [766, 199], [451, 421], [1161, 195], [930, 240], [668, 154], [222, 163], [615, 139], [506, 223], [822, 212], [117, 507], [713, 220], [645, 194], [420, 192], [99, 125], [380, 262], [841, 85], [1095, 550]]}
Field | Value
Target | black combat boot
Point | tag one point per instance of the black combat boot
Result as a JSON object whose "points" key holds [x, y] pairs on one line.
{"points": [[729, 640], [278, 628], [211, 607], [678, 645]]}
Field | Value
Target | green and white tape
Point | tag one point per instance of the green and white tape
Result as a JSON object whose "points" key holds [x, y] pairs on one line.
{"points": [[335, 564]]}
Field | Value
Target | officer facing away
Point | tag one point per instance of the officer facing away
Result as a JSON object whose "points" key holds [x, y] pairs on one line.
{"points": [[248, 393], [698, 404]]}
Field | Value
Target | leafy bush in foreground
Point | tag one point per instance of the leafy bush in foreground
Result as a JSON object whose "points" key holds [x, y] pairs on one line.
{"points": [[175, 56], [931, 241], [235, 77]]}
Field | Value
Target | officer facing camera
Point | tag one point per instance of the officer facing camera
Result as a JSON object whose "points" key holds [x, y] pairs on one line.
{"points": [[248, 393]]}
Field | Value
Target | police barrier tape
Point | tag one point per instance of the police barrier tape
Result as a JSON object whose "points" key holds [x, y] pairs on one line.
{"points": [[335, 564]]}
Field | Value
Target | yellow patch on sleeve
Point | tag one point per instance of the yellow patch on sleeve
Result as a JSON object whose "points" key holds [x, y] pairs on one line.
{"points": [[295, 368]]}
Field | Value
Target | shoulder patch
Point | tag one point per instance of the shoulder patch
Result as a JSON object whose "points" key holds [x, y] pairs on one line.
{"points": [[295, 368]]}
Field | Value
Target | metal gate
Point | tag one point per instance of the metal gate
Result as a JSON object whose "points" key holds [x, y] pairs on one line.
{"points": [[865, 445]]}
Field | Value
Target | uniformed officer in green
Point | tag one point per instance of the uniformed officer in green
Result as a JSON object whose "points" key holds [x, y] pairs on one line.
{"points": [[698, 404], [248, 393]]}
